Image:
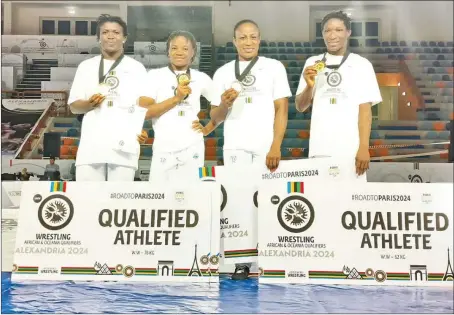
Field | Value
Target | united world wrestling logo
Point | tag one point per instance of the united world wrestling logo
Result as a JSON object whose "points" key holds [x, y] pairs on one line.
{"points": [[55, 212], [248, 80], [295, 213]]}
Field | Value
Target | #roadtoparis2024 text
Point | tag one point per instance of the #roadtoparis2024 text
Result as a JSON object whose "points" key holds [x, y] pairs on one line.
{"points": [[276, 175]]}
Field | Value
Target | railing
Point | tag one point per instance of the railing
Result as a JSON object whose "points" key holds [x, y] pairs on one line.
{"points": [[60, 102]]}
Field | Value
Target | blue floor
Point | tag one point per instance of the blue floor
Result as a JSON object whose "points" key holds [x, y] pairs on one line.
{"points": [[226, 297]]}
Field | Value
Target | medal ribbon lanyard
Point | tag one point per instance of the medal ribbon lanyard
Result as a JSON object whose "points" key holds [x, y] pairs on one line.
{"points": [[336, 67], [101, 74], [240, 77]]}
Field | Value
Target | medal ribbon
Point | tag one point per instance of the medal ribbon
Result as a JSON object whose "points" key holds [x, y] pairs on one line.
{"points": [[101, 74], [335, 67], [240, 77]]}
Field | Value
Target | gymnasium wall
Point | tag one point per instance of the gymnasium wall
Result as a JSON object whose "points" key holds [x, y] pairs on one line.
{"points": [[279, 20]]}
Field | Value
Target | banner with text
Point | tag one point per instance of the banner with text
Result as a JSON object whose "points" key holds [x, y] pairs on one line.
{"points": [[323, 168], [371, 234], [137, 232], [240, 190]]}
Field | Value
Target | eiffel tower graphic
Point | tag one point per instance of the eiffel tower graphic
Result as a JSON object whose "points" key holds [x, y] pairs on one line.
{"points": [[449, 274], [195, 265]]}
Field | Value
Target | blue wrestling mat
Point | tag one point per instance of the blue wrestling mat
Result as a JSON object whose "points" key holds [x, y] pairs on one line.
{"points": [[226, 297]]}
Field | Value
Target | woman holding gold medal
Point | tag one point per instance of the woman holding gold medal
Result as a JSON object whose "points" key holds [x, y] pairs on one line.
{"points": [[342, 87], [173, 103], [106, 90]]}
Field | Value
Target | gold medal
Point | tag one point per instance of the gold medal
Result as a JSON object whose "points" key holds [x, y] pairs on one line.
{"points": [[183, 79], [319, 66]]}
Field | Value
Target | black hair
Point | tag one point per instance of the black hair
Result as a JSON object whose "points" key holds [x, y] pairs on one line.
{"points": [[237, 25], [338, 15], [104, 18], [188, 35]]}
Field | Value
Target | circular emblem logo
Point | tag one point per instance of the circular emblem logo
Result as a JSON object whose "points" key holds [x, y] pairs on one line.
{"points": [[55, 212], [152, 48], [275, 200], [129, 271], [37, 198], [204, 260], [121, 143], [380, 276], [214, 260], [248, 80], [334, 79], [131, 109], [119, 268], [295, 214], [112, 82]]}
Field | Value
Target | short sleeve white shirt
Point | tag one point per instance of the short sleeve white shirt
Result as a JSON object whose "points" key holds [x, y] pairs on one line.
{"points": [[335, 110], [173, 130], [249, 125], [99, 126]]}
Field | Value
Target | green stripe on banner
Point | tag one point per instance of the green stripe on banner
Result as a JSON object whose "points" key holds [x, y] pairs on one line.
{"points": [[293, 187], [280, 273], [241, 253], [58, 187], [207, 172], [326, 275], [79, 272], [276, 274], [146, 273], [27, 268]]}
